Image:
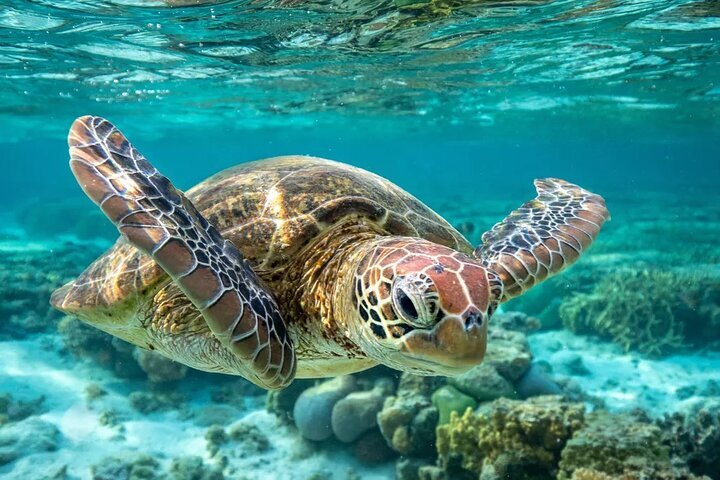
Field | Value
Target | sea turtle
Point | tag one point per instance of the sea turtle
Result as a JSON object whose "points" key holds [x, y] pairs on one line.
{"points": [[302, 267]]}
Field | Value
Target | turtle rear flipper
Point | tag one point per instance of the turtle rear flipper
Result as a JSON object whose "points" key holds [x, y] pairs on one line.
{"points": [[543, 236], [159, 220]]}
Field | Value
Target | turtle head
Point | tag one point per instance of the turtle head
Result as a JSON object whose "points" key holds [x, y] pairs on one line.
{"points": [[424, 308]]}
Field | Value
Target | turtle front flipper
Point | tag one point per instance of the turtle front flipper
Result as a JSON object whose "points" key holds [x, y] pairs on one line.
{"points": [[160, 221], [543, 236]]}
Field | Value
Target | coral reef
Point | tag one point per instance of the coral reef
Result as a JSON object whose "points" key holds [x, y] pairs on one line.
{"points": [[313, 409], [137, 466], [371, 448], [356, 413], [515, 321], [28, 276], [655, 312], [510, 438], [282, 402], [243, 439], [154, 401], [12, 410], [620, 446], [508, 352], [26, 437], [192, 468], [408, 418], [695, 437], [159, 369], [483, 383], [85, 341], [449, 399], [126, 360], [537, 382], [590, 474], [235, 390]]}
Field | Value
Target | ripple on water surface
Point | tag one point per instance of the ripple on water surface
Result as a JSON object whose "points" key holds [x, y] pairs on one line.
{"points": [[274, 63]]}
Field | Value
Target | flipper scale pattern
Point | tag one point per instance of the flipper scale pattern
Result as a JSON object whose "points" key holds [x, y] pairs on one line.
{"points": [[159, 220], [543, 236]]}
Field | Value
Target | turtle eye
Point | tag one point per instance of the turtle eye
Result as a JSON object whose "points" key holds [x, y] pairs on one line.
{"points": [[412, 301], [406, 305]]}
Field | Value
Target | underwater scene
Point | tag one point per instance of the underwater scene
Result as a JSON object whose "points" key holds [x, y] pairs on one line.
{"points": [[409, 312]]}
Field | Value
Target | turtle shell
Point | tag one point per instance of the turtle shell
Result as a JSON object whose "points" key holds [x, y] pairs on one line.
{"points": [[271, 210]]}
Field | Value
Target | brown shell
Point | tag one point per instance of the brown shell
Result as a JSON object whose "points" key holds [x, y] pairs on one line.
{"points": [[271, 210]]}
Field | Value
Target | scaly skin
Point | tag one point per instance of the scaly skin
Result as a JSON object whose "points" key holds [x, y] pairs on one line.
{"points": [[452, 295]]}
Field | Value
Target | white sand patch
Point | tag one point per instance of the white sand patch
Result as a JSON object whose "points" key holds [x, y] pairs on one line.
{"points": [[627, 380], [31, 368]]}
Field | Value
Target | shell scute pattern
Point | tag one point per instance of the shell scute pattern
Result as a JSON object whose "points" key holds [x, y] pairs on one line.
{"points": [[271, 210]]}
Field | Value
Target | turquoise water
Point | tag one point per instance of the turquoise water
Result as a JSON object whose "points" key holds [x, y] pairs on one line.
{"points": [[462, 104]]}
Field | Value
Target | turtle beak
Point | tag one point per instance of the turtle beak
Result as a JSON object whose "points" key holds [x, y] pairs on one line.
{"points": [[61, 300], [455, 345]]}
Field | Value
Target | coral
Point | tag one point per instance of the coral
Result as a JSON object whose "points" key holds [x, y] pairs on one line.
{"points": [[515, 321], [192, 468], [281, 402], [406, 468], [508, 352], [449, 399], [655, 312], [250, 436], [215, 437], [665, 474], [507, 359], [127, 467], [371, 448], [587, 474], [247, 436], [26, 437], [109, 418], [617, 444], [240, 440], [483, 383], [28, 277], [313, 409], [94, 391], [12, 410], [536, 382], [357, 412], [235, 390], [149, 402], [85, 341], [695, 437], [408, 418], [126, 360], [509, 438], [159, 369]]}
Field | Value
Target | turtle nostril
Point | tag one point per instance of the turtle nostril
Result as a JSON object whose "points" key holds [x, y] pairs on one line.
{"points": [[473, 319]]}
